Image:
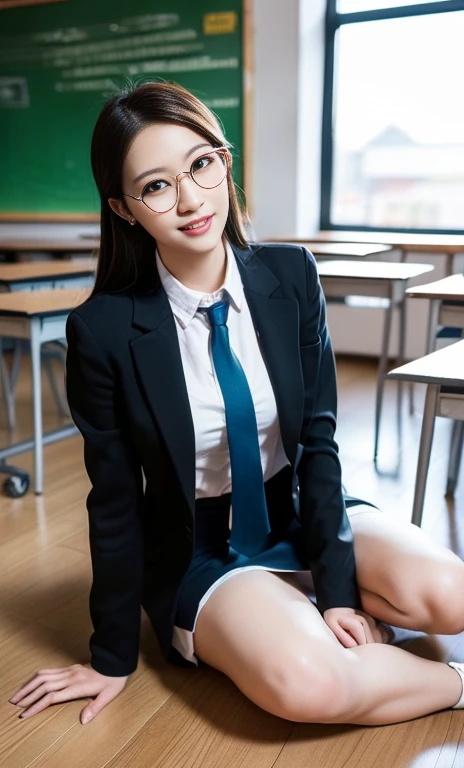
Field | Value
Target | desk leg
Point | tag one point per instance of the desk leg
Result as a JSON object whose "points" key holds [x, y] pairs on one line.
{"points": [[401, 357], [403, 254], [37, 401], [432, 327], [434, 314], [457, 440], [63, 409], [382, 369], [425, 449], [18, 348], [449, 261]]}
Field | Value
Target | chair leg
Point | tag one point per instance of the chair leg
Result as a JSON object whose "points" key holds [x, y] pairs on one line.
{"points": [[457, 440], [425, 449]]}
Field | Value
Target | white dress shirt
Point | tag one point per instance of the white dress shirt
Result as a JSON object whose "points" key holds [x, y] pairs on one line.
{"points": [[206, 401]]}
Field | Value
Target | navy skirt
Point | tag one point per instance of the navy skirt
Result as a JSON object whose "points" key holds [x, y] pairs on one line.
{"points": [[214, 558]]}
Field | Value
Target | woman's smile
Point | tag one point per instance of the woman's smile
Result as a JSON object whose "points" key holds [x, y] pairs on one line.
{"points": [[198, 227]]}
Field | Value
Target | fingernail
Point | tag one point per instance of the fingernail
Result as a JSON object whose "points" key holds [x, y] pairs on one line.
{"points": [[85, 719]]}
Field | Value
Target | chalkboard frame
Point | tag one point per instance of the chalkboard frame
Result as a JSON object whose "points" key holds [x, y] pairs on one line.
{"points": [[4, 4], [247, 93]]}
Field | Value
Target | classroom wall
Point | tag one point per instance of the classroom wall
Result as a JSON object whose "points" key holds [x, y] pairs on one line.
{"points": [[287, 111]]}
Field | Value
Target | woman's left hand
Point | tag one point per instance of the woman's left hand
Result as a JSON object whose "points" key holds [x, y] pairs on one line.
{"points": [[353, 627], [55, 686]]}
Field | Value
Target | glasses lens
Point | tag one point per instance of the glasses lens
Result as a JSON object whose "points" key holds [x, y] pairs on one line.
{"points": [[160, 195], [209, 170]]}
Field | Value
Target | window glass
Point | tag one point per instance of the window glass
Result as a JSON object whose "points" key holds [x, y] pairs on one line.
{"points": [[398, 154]]}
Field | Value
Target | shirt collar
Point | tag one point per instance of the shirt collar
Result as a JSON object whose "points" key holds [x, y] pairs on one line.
{"points": [[186, 301]]}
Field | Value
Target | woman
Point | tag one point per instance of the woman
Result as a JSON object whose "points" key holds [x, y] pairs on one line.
{"points": [[242, 502]]}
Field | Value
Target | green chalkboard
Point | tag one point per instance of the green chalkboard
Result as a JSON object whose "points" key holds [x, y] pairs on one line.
{"points": [[59, 62]]}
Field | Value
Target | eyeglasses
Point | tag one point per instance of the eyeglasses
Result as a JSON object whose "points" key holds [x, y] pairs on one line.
{"points": [[208, 171]]}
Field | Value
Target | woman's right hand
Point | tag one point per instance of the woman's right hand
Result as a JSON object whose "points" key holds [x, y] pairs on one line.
{"points": [[354, 627], [79, 681]]}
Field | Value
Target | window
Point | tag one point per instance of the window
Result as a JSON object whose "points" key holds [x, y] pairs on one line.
{"points": [[393, 153]]}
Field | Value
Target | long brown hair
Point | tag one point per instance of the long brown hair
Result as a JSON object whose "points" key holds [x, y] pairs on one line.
{"points": [[126, 258]]}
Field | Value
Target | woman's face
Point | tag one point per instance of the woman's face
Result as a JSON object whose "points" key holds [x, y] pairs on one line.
{"points": [[158, 153]]}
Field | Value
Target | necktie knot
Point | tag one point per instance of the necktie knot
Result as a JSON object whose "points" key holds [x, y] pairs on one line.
{"points": [[218, 312]]}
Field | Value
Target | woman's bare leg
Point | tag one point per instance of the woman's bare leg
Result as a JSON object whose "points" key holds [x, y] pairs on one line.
{"points": [[407, 579], [261, 630]]}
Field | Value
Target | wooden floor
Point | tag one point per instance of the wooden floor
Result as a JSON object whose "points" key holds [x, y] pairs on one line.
{"points": [[175, 718]]}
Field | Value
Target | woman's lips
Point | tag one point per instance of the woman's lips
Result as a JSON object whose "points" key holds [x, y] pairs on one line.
{"points": [[202, 226]]}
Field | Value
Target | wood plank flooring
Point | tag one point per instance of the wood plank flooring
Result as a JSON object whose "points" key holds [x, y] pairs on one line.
{"points": [[174, 718]]}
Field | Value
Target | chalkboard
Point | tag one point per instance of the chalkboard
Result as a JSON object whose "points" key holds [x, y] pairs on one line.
{"points": [[60, 61]]}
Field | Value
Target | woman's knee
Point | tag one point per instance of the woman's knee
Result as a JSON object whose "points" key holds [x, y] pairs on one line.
{"points": [[420, 579], [443, 601], [308, 689], [433, 598]]}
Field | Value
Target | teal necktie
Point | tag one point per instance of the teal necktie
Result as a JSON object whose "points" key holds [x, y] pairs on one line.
{"points": [[250, 521]]}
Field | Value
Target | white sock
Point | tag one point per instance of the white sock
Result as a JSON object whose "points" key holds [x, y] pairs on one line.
{"points": [[459, 667]]}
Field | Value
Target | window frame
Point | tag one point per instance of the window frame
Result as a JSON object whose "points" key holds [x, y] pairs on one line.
{"points": [[333, 21]]}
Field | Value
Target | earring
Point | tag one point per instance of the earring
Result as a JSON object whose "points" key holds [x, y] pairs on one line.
{"points": [[132, 222]]}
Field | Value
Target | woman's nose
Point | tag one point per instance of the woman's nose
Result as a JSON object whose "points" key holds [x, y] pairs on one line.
{"points": [[190, 195]]}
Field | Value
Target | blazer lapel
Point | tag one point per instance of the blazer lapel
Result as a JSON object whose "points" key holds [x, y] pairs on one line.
{"points": [[276, 321], [157, 359], [158, 362]]}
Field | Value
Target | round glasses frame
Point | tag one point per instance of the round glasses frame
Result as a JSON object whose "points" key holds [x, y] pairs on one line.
{"points": [[221, 150]]}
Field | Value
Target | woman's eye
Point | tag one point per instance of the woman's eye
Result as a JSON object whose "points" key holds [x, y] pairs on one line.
{"points": [[155, 186], [201, 163]]}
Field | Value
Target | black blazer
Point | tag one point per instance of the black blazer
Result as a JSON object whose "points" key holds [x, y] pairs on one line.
{"points": [[128, 397]]}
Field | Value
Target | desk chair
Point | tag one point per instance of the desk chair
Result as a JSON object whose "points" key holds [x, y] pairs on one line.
{"points": [[376, 279], [32, 276], [40, 317], [443, 372], [446, 309]]}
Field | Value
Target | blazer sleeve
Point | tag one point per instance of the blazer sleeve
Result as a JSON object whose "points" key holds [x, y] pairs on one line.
{"points": [[328, 536], [112, 504]]}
